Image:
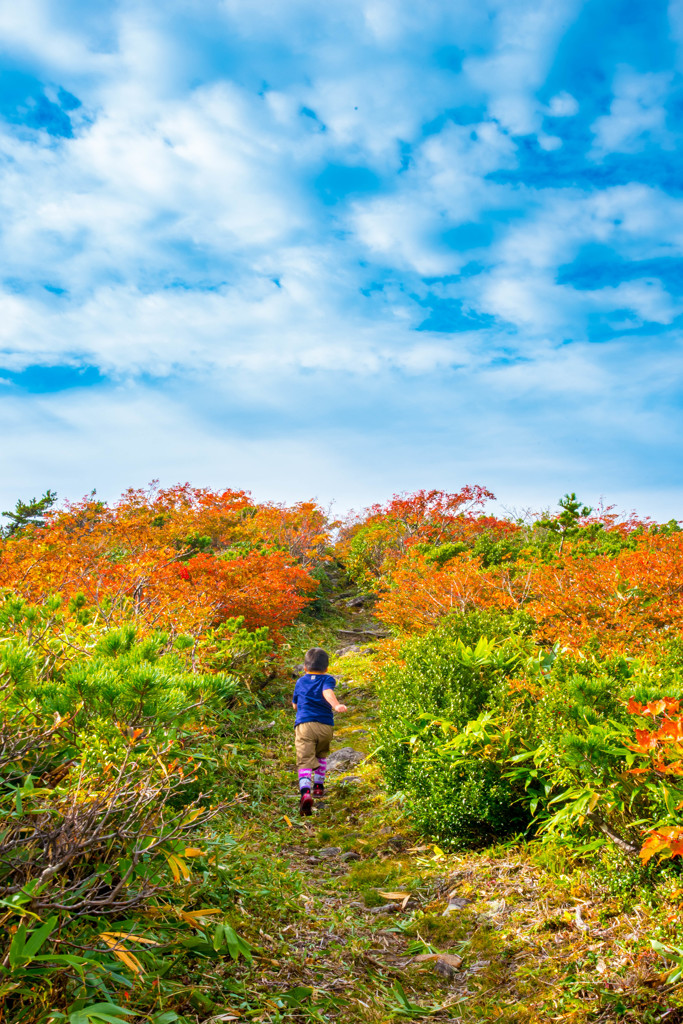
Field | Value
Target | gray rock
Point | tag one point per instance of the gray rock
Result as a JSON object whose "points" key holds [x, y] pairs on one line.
{"points": [[345, 757], [447, 965], [455, 903], [348, 649], [350, 855], [386, 908], [361, 600], [348, 780], [330, 851]]}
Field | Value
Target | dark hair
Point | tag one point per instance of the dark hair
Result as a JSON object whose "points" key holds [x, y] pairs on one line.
{"points": [[316, 660]]}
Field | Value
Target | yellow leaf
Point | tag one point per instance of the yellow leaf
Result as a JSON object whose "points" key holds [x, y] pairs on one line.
{"points": [[129, 960], [395, 895], [193, 917], [111, 940], [288, 821], [194, 851], [178, 867], [127, 935]]}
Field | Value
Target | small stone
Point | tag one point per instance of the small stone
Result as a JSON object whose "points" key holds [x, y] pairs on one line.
{"points": [[350, 855], [330, 851], [313, 860], [349, 779], [396, 842], [455, 903], [386, 908], [345, 757], [447, 965], [264, 726]]}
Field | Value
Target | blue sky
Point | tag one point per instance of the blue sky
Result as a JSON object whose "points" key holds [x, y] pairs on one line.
{"points": [[343, 250]]}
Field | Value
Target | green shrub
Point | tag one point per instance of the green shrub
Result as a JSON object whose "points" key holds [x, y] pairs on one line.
{"points": [[462, 805], [439, 684], [112, 765]]}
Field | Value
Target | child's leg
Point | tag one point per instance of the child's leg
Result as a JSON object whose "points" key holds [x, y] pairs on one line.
{"points": [[322, 749], [319, 773], [304, 742]]}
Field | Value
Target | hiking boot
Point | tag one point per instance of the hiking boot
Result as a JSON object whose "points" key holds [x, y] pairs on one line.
{"points": [[306, 803], [318, 791]]}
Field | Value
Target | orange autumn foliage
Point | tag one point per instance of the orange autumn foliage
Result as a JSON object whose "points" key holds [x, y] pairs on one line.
{"points": [[623, 602], [376, 541], [668, 842], [432, 516], [419, 594], [660, 759], [620, 603], [179, 559]]}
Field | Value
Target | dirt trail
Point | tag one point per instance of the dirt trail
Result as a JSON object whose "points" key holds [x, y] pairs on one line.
{"points": [[363, 894]]}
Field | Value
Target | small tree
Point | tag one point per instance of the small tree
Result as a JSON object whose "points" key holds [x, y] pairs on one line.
{"points": [[28, 513], [568, 523]]}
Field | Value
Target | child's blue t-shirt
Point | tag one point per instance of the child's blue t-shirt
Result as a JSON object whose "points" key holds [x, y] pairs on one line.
{"points": [[311, 706]]}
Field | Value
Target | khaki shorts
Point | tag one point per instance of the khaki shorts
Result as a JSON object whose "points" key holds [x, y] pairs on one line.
{"points": [[312, 741]]}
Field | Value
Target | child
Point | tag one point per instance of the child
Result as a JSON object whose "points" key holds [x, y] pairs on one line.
{"points": [[314, 702]]}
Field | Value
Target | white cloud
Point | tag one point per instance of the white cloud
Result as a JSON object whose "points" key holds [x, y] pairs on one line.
{"points": [[443, 189], [527, 33], [637, 114], [563, 105]]}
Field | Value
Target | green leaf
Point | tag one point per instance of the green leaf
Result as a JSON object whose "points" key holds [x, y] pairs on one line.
{"points": [[235, 944], [296, 996], [108, 1012], [68, 958], [16, 949], [219, 938], [37, 938]]}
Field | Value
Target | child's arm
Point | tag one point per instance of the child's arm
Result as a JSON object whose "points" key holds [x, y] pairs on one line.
{"points": [[331, 699]]}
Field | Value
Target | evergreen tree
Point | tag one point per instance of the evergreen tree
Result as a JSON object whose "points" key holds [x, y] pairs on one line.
{"points": [[28, 513], [568, 523]]}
